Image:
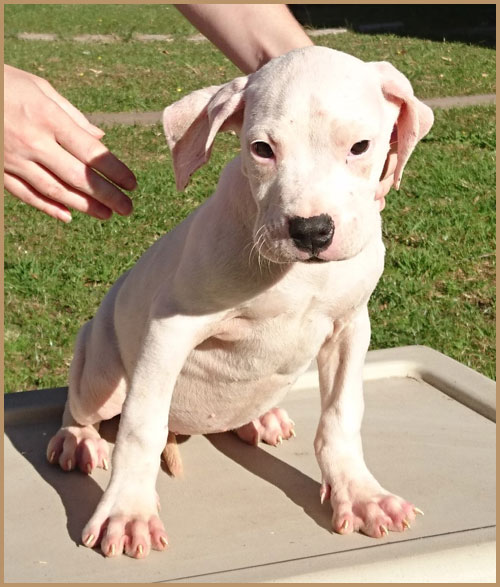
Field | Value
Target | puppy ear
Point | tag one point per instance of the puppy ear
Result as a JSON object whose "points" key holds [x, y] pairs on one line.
{"points": [[191, 124], [415, 118]]}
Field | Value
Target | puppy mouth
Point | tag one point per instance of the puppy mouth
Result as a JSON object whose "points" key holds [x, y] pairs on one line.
{"points": [[315, 259]]}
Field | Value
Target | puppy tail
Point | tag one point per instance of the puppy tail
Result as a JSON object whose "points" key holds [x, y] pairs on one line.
{"points": [[172, 457]]}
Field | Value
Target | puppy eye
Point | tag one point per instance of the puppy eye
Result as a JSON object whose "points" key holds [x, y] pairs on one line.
{"points": [[262, 149], [360, 147]]}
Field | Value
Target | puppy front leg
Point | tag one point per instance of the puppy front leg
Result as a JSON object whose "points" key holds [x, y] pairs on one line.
{"points": [[359, 502], [126, 517]]}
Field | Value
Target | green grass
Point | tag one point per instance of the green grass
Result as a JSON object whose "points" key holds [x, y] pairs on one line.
{"points": [[439, 230], [97, 77], [438, 287], [67, 20]]}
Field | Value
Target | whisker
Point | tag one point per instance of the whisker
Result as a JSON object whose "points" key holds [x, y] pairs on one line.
{"points": [[257, 243]]}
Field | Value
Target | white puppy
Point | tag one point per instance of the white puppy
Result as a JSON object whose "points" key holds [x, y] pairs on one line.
{"points": [[216, 321]]}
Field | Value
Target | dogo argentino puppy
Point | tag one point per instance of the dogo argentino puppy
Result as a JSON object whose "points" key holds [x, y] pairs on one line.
{"points": [[216, 321]]}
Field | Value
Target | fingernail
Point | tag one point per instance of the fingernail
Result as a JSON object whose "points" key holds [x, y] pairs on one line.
{"points": [[95, 130], [124, 207], [128, 181], [322, 494], [64, 216], [131, 183]]}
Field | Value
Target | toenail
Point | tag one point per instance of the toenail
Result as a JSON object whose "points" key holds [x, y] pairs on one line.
{"points": [[89, 540], [112, 550], [69, 465], [164, 541], [52, 457], [418, 511], [140, 550], [292, 433], [384, 530], [89, 468], [345, 525], [105, 464], [406, 524]]}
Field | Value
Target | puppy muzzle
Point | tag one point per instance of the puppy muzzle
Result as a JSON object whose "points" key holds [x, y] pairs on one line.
{"points": [[311, 235]]}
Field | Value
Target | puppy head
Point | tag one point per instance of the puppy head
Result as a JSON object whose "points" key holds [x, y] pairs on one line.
{"points": [[315, 126]]}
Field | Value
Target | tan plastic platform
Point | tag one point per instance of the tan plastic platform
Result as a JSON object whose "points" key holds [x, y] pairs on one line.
{"points": [[246, 514]]}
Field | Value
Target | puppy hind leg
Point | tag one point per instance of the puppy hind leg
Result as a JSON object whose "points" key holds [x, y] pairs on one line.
{"points": [[77, 444], [97, 379]]}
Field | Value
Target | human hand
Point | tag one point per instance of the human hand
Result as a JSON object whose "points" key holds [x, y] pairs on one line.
{"points": [[53, 156], [387, 177]]}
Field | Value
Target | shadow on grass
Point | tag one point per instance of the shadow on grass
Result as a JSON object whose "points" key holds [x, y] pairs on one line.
{"points": [[468, 23]]}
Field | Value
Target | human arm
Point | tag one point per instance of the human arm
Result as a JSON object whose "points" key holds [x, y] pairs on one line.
{"points": [[248, 34]]}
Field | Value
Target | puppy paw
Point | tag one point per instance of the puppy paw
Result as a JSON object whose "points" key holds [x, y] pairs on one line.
{"points": [[120, 528], [272, 428], [78, 447], [367, 508]]}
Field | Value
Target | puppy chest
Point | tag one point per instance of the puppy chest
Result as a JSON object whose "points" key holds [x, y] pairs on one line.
{"points": [[252, 350]]}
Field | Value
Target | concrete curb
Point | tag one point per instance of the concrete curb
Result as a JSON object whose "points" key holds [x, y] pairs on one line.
{"points": [[151, 118], [143, 37], [461, 101]]}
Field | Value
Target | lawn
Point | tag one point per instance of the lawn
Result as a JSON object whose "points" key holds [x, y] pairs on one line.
{"points": [[439, 229], [97, 76]]}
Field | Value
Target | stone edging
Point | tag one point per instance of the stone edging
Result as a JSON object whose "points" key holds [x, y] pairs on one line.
{"points": [[143, 37], [150, 118]]}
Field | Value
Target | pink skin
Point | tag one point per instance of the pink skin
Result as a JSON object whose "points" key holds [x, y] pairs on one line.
{"points": [[375, 517], [132, 536], [82, 447], [78, 447], [271, 428]]}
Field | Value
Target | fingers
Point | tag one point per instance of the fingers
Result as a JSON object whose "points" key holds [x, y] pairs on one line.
{"points": [[53, 157], [93, 153], [390, 163], [22, 190], [66, 105], [387, 176], [77, 116], [52, 197], [79, 176]]}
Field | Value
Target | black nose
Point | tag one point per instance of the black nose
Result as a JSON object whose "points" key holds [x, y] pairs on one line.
{"points": [[312, 234]]}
